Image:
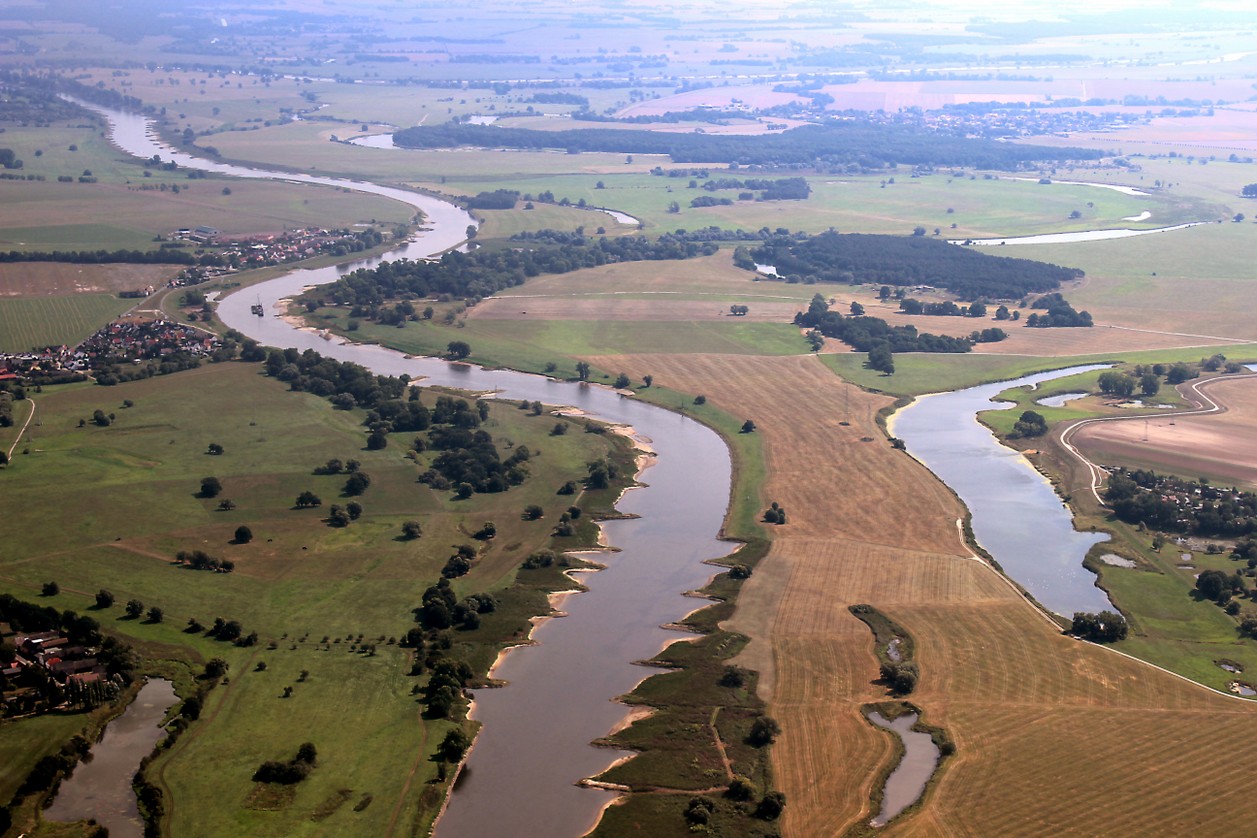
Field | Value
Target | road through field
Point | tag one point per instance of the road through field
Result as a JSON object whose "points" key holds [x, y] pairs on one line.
{"points": [[1192, 391], [1053, 735]]}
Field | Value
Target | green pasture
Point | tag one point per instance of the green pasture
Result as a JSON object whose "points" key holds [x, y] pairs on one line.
{"points": [[357, 711], [108, 507], [30, 322], [502, 224], [918, 373], [25, 742], [529, 345]]}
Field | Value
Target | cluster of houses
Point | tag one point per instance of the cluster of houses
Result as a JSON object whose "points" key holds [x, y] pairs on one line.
{"points": [[123, 341], [49, 673], [259, 250]]}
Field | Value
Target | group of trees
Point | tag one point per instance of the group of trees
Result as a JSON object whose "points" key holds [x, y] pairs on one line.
{"points": [[869, 334], [293, 771], [837, 143], [1059, 313], [200, 560], [1029, 424], [1172, 504], [1105, 627], [944, 309], [906, 261]]}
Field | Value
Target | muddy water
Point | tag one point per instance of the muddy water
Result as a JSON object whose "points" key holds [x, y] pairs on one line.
{"points": [[906, 783], [534, 744], [101, 789], [1017, 515]]}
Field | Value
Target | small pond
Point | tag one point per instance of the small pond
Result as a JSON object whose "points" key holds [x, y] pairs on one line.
{"points": [[906, 783]]}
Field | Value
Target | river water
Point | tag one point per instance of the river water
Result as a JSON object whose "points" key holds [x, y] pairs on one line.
{"points": [[534, 744], [907, 782], [101, 788], [1017, 515]]}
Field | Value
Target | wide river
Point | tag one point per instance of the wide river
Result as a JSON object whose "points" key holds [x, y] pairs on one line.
{"points": [[519, 779], [534, 745]]}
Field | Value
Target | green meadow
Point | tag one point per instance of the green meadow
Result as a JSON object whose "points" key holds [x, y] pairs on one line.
{"points": [[51, 321]]}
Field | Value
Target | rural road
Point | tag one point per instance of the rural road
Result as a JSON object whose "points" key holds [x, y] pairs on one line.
{"points": [[1191, 390], [25, 425]]}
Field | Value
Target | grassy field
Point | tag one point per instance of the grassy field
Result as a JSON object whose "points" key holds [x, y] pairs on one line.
{"points": [[51, 321], [109, 507], [506, 223]]}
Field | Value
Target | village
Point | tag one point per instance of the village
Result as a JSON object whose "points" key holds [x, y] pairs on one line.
{"points": [[130, 340], [45, 671]]}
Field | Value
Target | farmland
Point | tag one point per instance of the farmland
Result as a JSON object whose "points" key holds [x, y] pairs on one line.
{"points": [[50, 321]]}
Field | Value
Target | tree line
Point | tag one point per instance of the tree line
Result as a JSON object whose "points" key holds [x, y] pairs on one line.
{"points": [[865, 145], [870, 334], [903, 260], [485, 272]]}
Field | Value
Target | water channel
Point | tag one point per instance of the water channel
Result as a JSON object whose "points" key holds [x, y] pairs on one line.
{"points": [[907, 782], [534, 745], [101, 788], [1017, 515]]}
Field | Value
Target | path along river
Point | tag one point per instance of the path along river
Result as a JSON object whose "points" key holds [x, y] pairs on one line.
{"points": [[534, 745]]}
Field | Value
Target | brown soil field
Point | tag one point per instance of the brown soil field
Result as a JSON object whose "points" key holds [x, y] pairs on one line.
{"points": [[54, 279], [1053, 735], [1216, 445], [1230, 129]]}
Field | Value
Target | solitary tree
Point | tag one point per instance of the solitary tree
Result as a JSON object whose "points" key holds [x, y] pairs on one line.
{"points": [[104, 598], [243, 534], [210, 487], [155, 614], [748, 427], [456, 350], [214, 448], [621, 381], [134, 608], [412, 530], [51, 589], [308, 499], [582, 370]]}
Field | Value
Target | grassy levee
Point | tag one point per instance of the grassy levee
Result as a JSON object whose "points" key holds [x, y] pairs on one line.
{"points": [[108, 507], [1040, 722]]}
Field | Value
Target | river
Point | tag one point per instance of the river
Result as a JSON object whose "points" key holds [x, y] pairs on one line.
{"points": [[1017, 515], [101, 788], [534, 744]]}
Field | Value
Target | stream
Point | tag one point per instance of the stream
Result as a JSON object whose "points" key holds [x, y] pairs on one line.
{"points": [[534, 745], [101, 788]]}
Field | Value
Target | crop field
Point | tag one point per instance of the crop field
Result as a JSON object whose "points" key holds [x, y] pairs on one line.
{"points": [[1220, 446], [60, 279], [995, 674], [65, 216], [51, 321], [108, 507]]}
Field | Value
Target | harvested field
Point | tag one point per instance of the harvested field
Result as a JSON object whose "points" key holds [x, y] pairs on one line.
{"points": [[1049, 730], [1220, 446], [52, 279]]}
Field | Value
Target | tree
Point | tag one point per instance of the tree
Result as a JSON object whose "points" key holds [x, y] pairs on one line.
{"points": [[354, 509], [764, 731], [453, 746], [533, 512], [771, 806], [51, 589], [1249, 190], [1149, 384], [104, 599], [216, 668], [243, 534], [226, 505], [918, 231], [99, 417], [582, 370], [648, 380], [881, 359], [1211, 584], [214, 448], [456, 350], [134, 608], [411, 530], [155, 614], [210, 487], [857, 310], [621, 381], [1030, 424], [308, 499], [1115, 383], [748, 427], [337, 516], [357, 483]]}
